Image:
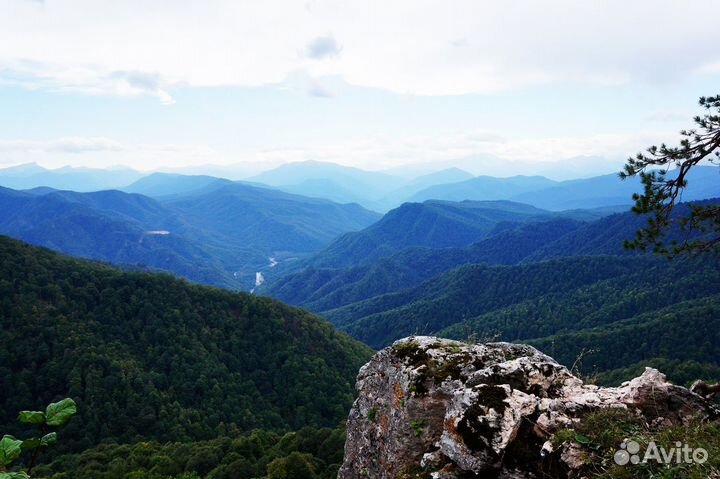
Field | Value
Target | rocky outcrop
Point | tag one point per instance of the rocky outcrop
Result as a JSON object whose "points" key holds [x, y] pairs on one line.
{"points": [[430, 407]]}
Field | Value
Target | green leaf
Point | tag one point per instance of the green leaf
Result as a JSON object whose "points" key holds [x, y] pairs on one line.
{"points": [[49, 439], [32, 443], [14, 475], [59, 413], [582, 439], [31, 417], [9, 450]]}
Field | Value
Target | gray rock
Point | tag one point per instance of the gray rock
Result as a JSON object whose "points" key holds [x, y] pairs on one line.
{"points": [[483, 410]]}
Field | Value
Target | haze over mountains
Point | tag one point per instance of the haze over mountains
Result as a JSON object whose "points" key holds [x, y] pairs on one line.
{"points": [[525, 259], [541, 280], [225, 225], [220, 237], [243, 234], [374, 190], [32, 175], [539, 191], [470, 251]]}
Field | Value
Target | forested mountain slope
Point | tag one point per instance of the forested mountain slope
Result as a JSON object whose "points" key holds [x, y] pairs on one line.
{"points": [[220, 236], [680, 339], [271, 220], [308, 453], [114, 227], [530, 300], [433, 224], [321, 289], [150, 356]]}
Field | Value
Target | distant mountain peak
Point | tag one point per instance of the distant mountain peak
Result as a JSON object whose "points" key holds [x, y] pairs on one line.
{"points": [[22, 169]]}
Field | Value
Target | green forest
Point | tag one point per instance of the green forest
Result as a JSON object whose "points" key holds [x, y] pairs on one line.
{"points": [[149, 357], [309, 453], [174, 380]]}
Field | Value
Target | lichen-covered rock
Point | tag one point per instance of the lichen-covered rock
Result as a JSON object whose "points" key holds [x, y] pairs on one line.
{"points": [[483, 410]]}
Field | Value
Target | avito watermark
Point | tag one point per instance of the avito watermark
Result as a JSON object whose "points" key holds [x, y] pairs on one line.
{"points": [[630, 453]]}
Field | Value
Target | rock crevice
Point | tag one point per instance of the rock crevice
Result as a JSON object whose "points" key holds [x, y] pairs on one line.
{"points": [[447, 409]]}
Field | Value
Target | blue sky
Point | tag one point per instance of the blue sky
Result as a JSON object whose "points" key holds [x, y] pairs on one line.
{"points": [[481, 85]]}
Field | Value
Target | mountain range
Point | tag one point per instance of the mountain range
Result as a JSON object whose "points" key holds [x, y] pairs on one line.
{"points": [[435, 224], [529, 279], [32, 175], [382, 191], [338, 275], [375, 190], [222, 236], [595, 192], [150, 357], [242, 234]]}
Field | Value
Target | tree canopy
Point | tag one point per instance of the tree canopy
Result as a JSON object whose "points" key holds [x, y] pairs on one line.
{"points": [[663, 171], [151, 357]]}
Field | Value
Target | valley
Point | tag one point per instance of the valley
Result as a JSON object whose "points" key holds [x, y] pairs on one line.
{"points": [[359, 240], [177, 340], [485, 267]]}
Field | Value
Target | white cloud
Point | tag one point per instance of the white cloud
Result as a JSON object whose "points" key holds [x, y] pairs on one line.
{"points": [[480, 152], [83, 145], [712, 67], [103, 152], [422, 47], [141, 83], [93, 80], [670, 116], [317, 88], [61, 145], [323, 47]]}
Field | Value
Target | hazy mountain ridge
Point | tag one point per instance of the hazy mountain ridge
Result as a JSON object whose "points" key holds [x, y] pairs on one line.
{"points": [[329, 180], [32, 175], [594, 192], [484, 188], [533, 281], [85, 225], [381, 259], [249, 213], [375, 190], [221, 237], [435, 224], [322, 289], [167, 184]]}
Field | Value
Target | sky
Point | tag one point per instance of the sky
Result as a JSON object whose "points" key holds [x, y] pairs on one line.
{"points": [[168, 84]]}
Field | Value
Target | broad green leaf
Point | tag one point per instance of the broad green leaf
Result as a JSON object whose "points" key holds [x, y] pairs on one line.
{"points": [[582, 439], [59, 413], [31, 417], [32, 443], [49, 439], [9, 450]]}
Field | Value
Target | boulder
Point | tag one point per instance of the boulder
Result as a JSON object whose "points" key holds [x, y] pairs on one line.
{"points": [[456, 410]]}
